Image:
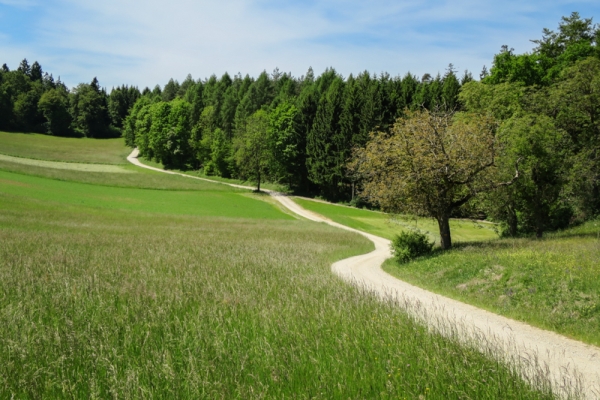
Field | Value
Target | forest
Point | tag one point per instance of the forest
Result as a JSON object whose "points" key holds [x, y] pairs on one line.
{"points": [[317, 134]]}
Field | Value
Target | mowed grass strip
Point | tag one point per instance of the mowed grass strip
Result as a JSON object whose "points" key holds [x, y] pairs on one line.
{"points": [[65, 165], [135, 178], [104, 303], [200, 174], [552, 283], [224, 202], [381, 224], [52, 148]]}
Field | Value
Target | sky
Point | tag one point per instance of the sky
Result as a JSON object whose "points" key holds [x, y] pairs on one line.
{"points": [[144, 43]]}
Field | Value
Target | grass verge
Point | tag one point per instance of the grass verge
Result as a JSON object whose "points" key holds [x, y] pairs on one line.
{"points": [[380, 224], [552, 283], [264, 185]]}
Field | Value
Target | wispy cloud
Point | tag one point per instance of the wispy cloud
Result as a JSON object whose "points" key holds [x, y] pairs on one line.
{"points": [[125, 41]]}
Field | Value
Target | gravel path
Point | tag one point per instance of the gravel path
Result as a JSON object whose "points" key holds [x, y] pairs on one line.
{"points": [[568, 363]]}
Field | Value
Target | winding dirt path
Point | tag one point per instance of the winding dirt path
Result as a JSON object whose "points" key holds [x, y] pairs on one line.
{"points": [[568, 363]]}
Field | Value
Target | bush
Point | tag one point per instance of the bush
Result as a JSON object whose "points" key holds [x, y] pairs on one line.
{"points": [[410, 245]]}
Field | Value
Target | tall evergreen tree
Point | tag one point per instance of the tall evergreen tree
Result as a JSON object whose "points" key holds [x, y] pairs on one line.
{"points": [[325, 142]]}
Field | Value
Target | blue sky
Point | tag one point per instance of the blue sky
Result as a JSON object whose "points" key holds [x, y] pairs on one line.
{"points": [[145, 43]]}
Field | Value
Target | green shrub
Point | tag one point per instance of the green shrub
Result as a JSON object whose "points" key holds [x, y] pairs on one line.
{"points": [[409, 245]]}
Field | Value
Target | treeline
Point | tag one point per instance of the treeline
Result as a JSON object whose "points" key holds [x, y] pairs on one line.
{"points": [[32, 101], [301, 132], [310, 123]]}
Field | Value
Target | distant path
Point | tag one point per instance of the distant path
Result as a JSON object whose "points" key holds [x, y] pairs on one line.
{"points": [[567, 362]]}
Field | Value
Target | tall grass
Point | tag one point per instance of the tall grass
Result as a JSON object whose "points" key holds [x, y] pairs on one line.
{"points": [[96, 302]]}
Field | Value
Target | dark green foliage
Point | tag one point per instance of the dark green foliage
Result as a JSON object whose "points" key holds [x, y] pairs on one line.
{"points": [[547, 106], [24, 67], [54, 104], [409, 245], [170, 90], [314, 121], [89, 110], [327, 147], [284, 142], [36, 73], [120, 102]]}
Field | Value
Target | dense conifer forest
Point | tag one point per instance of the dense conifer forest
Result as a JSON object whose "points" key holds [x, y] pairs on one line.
{"points": [[304, 131]]}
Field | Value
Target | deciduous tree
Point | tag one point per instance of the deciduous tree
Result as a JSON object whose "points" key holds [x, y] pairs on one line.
{"points": [[430, 164]]}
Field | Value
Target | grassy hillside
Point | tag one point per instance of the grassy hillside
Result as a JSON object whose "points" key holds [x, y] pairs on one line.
{"points": [[207, 293], [553, 283], [213, 200], [44, 147], [382, 225]]}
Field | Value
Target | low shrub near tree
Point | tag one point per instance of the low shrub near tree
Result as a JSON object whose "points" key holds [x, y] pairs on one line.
{"points": [[409, 245]]}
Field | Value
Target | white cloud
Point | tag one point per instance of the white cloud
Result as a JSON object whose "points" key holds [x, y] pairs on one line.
{"points": [[127, 41]]}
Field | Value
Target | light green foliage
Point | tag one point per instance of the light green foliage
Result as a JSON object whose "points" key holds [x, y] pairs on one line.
{"points": [[163, 132], [251, 148], [220, 157], [283, 142], [407, 246], [134, 122], [553, 283], [557, 50], [501, 100]]}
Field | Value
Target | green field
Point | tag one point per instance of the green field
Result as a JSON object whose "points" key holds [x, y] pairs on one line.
{"points": [[219, 202], [207, 292], [44, 147], [382, 225]]}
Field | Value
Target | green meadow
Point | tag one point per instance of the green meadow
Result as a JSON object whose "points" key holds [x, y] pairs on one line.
{"points": [[108, 290], [552, 283], [222, 202], [386, 226], [44, 147]]}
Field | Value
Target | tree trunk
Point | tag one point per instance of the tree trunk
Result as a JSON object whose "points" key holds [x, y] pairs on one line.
{"points": [[258, 182], [444, 224], [539, 222], [512, 222], [539, 231]]}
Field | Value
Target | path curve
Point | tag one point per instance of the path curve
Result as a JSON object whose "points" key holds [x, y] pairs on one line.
{"points": [[568, 363]]}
